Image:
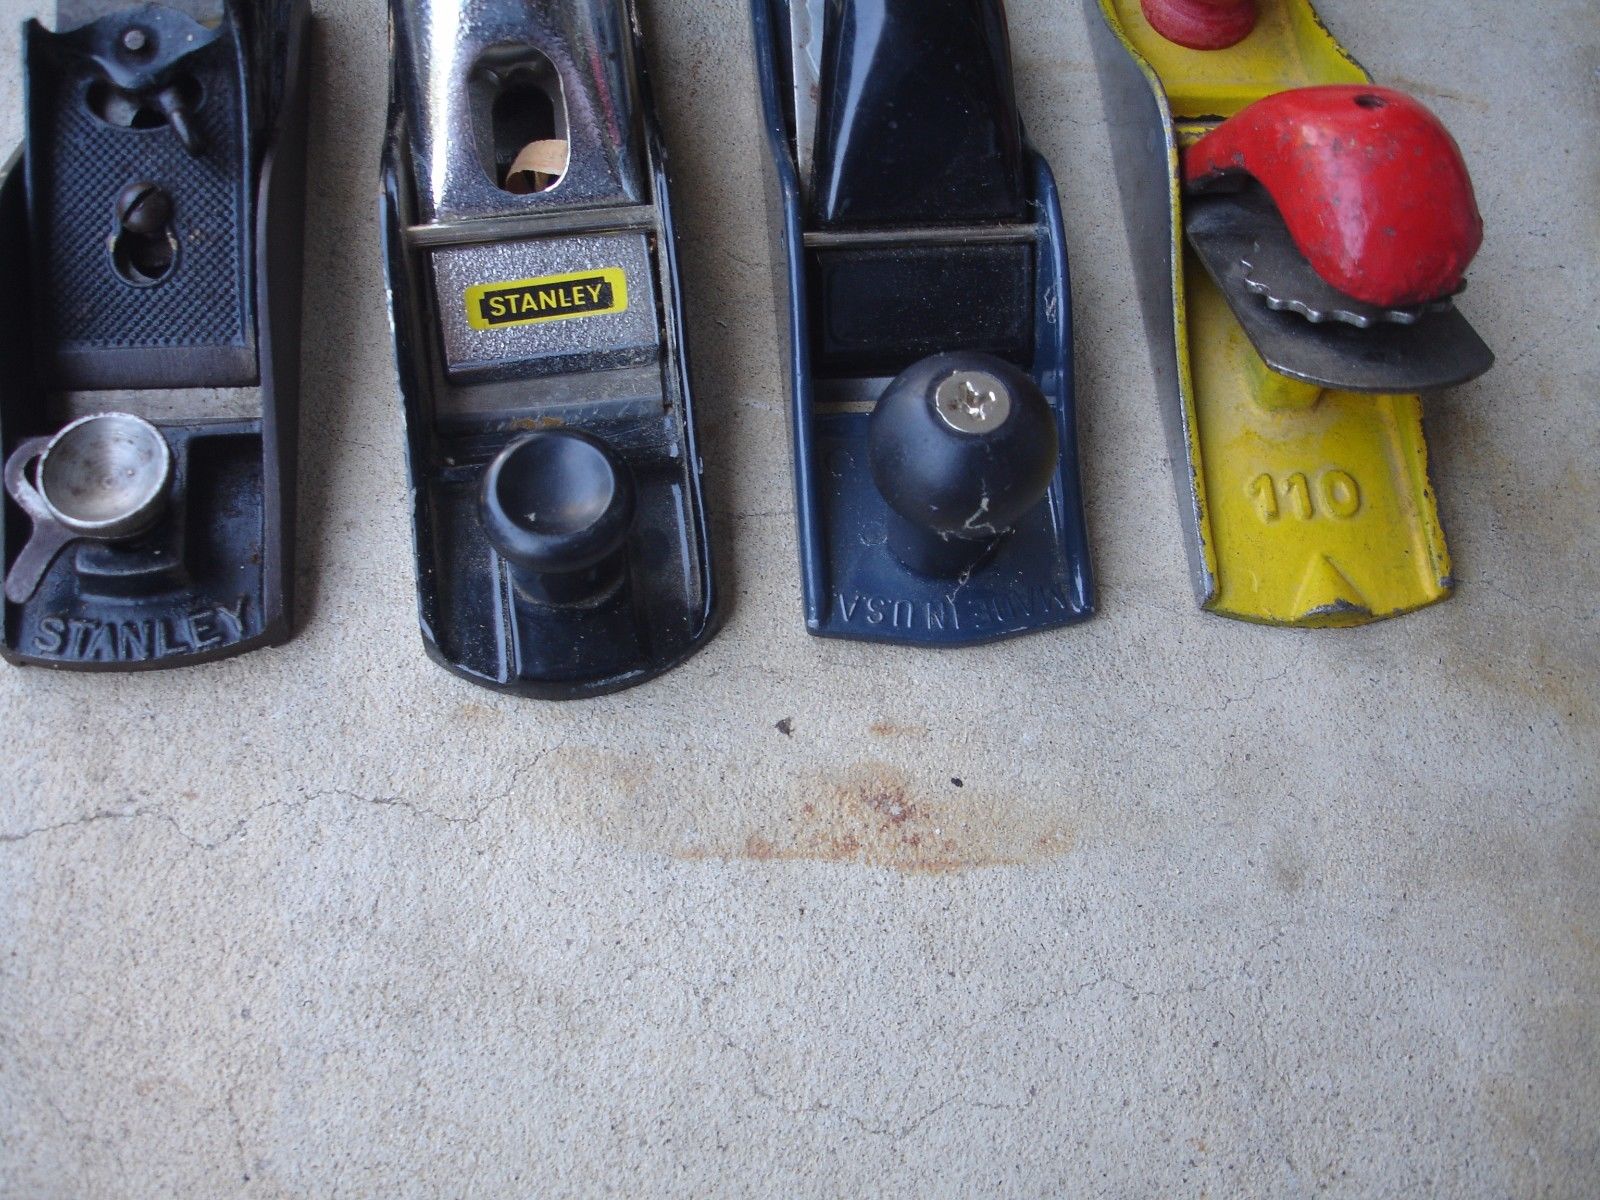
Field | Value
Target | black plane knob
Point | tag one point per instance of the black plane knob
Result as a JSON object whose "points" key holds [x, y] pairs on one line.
{"points": [[558, 506], [963, 446]]}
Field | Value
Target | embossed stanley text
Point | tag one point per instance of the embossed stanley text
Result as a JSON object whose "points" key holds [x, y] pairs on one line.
{"points": [[144, 639]]}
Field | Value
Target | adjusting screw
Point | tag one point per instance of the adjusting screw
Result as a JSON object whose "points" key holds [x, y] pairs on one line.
{"points": [[144, 208]]}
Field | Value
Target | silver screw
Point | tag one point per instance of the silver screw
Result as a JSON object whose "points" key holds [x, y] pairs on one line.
{"points": [[135, 40], [973, 402]]}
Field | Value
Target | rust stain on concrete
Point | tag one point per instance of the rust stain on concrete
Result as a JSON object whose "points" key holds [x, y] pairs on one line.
{"points": [[868, 813], [874, 815]]}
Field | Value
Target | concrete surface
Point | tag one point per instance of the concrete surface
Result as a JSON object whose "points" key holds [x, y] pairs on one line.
{"points": [[1214, 910]]}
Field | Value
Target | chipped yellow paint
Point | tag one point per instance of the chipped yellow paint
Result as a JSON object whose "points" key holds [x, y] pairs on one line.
{"points": [[1315, 505]]}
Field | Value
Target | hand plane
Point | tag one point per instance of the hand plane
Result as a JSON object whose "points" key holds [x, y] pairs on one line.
{"points": [[925, 309], [560, 524], [1300, 237], [151, 235]]}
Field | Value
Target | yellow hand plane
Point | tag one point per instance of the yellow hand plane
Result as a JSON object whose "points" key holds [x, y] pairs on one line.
{"points": [[1300, 236]]}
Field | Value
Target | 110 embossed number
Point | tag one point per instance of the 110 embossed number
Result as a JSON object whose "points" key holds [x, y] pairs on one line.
{"points": [[1334, 494]]}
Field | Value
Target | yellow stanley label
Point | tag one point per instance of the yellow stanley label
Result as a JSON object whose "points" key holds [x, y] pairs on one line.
{"points": [[552, 298]]}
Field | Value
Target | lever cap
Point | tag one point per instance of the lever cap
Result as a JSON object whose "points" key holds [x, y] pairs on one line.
{"points": [[1372, 186], [558, 505]]}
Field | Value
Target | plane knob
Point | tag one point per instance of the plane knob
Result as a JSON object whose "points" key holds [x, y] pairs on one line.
{"points": [[558, 505], [962, 447]]}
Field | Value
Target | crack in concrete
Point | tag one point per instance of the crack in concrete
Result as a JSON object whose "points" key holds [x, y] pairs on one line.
{"points": [[894, 1132], [1027, 1010], [820, 1108], [1521, 602], [305, 797], [401, 802], [1224, 703], [138, 814], [422, 810]]}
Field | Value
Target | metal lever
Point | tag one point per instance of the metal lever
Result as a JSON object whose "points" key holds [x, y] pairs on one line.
{"points": [[103, 477], [173, 106], [49, 538]]}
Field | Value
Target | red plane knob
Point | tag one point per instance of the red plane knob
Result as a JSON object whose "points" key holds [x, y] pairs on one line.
{"points": [[1372, 187], [1202, 24]]}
